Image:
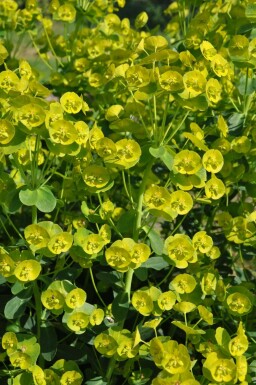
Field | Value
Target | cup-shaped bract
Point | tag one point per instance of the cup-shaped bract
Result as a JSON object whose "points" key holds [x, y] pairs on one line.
{"points": [[78, 321], [36, 236], [183, 283], [9, 342], [60, 243], [213, 90], [238, 345], [105, 344], [96, 317], [27, 270], [219, 368], [52, 299], [8, 80], [31, 115], [126, 348], [166, 300], [128, 153], [105, 233], [118, 258], [71, 102], [194, 83], [20, 360], [176, 358], [213, 161], [75, 298], [38, 375], [220, 66], [63, 132], [96, 176], [171, 81], [71, 377], [140, 253], [66, 12], [202, 242], [208, 283], [181, 202], [214, 188], [82, 132], [187, 162], [7, 264], [142, 302], [106, 148], [157, 197], [208, 50], [93, 244], [180, 250], [239, 304], [241, 368], [7, 131]]}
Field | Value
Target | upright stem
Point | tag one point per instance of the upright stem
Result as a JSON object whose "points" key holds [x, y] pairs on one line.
{"points": [[38, 317], [34, 214]]}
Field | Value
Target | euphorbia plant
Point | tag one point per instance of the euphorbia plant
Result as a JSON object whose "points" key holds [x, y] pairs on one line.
{"points": [[127, 194]]}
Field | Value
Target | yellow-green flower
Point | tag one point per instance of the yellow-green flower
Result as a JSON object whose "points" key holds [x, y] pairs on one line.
{"points": [[213, 161], [31, 115], [194, 83], [27, 270], [239, 303], [60, 243], [214, 188], [7, 131], [183, 283], [7, 265], [78, 321], [171, 81], [202, 242], [52, 299], [71, 102], [71, 377], [75, 298], [187, 162], [20, 360], [180, 250], [96, 176], [142, 302], [63, 132], [96, 317], [105, 344], [67, 12], [118, 258], [176, 358], [157, 197], [93, 244], [181, 202], [9, 342], [166, 300]]}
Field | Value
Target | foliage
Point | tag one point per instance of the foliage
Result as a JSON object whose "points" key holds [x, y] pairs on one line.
{"points": [[127, 194]]}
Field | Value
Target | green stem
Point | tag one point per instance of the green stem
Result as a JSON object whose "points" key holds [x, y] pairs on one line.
{"points": [[38, 304], [95, 288], [34, 214]]}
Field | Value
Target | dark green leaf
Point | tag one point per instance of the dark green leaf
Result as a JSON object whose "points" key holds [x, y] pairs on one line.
{"points": [[156, 263], [120, 306]]}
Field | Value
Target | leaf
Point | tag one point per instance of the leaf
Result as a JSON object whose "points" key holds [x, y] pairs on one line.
{"points": [[23, 379], [46, 201], [141, 273], [156, 263], [157, 243], [28, 197], [165, 153], [42, 198], [120, 306], [187, 329], [15, 307], [48, 341], [197, 142], [96, 381]]}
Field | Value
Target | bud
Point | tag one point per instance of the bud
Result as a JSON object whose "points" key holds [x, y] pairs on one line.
{"points": [[141, 20]]}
